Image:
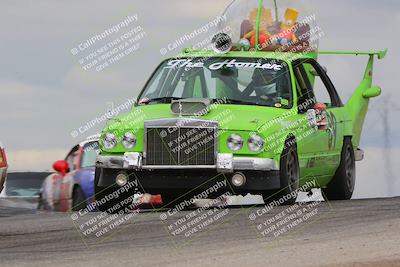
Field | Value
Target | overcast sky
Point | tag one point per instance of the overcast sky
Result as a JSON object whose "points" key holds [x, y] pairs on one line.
{"points": [[45, 95]]}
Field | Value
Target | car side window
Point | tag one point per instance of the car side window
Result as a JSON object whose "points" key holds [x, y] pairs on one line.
{"points": [[89, 154], [72, 158], [318, 84], [305, 96]]}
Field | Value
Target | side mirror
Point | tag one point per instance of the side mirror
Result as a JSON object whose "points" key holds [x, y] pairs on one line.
{"points": [[372, 92], [317, 117], [61, 166]]}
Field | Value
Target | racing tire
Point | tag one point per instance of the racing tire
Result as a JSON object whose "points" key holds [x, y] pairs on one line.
{"points": [[40, 205], [43, 205], [78, 199], [289, 176], [342, 185]]}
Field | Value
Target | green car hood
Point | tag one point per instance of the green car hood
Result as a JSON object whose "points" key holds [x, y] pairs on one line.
{"points": [[230, 117]]}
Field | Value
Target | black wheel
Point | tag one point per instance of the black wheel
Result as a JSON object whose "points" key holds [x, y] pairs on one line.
{"points": [[40, 202], [342, 185], [289, 176], [43, 204], [78, 199]]}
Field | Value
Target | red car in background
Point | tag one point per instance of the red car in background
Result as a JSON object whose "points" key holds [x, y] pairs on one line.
{"points": [[71, 187], [3, 166]]}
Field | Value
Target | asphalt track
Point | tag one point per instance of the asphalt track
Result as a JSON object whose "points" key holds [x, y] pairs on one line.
{"points": [[349, 233]]}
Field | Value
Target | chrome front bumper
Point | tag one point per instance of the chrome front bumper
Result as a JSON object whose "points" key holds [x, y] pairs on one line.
{"points": [[226, 163]]}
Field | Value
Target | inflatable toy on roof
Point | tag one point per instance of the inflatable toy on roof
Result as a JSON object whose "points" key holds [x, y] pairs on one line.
{"points": [[271, 25]]}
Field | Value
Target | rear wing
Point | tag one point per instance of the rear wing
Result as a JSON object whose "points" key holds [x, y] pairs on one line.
{"points": [[371, 54], [357, 106], [379, 54]]}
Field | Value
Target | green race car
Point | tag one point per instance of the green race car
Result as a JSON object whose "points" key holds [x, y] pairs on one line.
{"points": [[249, 122], [259, 116]]}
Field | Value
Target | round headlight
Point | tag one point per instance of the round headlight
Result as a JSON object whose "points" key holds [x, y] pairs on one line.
{"points": [[110, 141], [121, 179], [256, 143], [235, 142], [129, 140], [238, 179]]}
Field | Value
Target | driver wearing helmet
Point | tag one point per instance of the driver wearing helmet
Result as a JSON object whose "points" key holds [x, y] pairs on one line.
{"points": [[264, 84]]}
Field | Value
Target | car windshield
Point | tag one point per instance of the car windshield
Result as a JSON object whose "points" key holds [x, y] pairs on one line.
{"points": [[90, 153], [247, 81]]}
